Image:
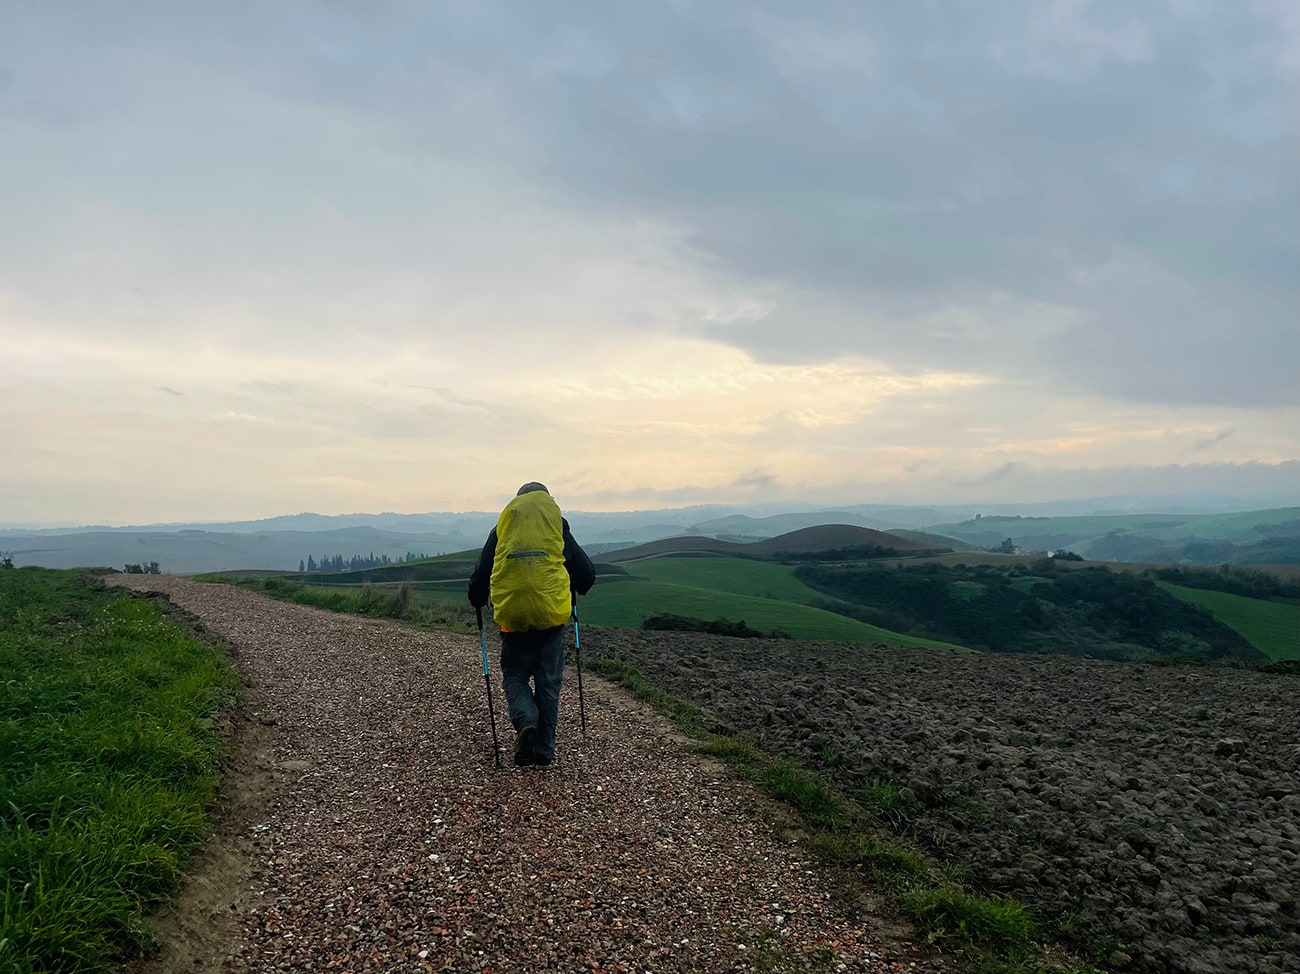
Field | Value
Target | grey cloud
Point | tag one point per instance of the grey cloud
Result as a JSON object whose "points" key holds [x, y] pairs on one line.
{"points": [[171, 392], [1209, 441], [974, 159], [1000, 474], [1221, 486], [451, 403], [1249, 484], [691, 494], [921, 465], [757, 478], [1134, 166]]}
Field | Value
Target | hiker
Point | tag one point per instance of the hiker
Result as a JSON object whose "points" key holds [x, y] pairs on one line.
{"points": [[531, 566]]}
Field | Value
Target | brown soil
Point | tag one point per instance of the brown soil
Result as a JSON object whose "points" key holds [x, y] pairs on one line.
{"points": [[1154, 809]]}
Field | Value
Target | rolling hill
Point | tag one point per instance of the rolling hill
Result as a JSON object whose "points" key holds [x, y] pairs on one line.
{"points": [[820, 538], [743, 525], [627, 604]]}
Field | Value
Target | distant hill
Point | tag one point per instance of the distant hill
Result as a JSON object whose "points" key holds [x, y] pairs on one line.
{"points": [[1268, 537], [823, 537], [1246, 538], [210, 551], [743, 525], [932, 540]]}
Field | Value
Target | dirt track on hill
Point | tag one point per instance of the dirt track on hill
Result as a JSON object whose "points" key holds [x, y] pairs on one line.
{"points": [[1157, 810], [362, 826]]}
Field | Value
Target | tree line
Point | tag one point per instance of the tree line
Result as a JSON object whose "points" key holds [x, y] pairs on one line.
{"points": [[337, 563]]}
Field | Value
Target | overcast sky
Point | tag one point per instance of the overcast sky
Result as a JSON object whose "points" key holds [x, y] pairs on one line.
{"points": [[260, 258]]}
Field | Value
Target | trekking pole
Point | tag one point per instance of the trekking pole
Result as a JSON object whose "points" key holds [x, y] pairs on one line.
{"points": [[487, 681], [577, 650]]}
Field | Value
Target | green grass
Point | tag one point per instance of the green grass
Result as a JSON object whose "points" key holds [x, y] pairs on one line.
{"points": [[426, 605], [740, 576], [626, 605], [1002, 925], [967, 591], [883, 798], [1271, 627], [107, 764], [681, 712]]}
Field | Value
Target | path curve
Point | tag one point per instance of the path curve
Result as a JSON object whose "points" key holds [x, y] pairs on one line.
{"points": [[366, 828]]}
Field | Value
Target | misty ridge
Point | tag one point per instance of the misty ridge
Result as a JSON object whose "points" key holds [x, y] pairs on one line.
{"points": [[1168, 530]]}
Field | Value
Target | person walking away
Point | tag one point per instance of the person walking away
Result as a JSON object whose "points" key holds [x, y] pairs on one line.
{"points": [[530, 567]]}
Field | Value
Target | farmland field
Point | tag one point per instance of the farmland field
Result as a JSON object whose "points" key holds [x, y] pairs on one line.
{"points": [[1154, 807], [741, 576], [1271, 627], [626, 604]]}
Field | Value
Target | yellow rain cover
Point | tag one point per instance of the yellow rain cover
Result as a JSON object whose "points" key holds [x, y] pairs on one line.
{"points": [[530, 585]]}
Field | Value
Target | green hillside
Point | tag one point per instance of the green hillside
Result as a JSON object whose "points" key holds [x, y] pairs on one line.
{"points": [[740, 576], [626, 604], [1271, 627], [1015, 608]]}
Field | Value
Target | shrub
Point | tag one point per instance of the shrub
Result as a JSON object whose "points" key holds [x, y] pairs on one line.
{"points": [[402, 604], [1175, 642]]}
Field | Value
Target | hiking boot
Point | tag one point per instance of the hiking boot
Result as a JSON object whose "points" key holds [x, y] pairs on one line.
{"points": [[524, 753]]}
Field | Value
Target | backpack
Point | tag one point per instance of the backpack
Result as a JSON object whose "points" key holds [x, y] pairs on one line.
{"points": [[530, 585]]}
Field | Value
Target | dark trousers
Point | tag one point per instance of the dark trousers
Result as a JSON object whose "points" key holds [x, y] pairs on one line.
{"points": [[536, 656]]}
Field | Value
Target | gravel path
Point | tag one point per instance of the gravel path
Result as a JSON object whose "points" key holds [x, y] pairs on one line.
{"points": [[365, 827]]}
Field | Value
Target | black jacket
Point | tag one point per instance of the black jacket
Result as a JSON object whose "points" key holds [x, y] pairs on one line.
{"points": [[582, 573]]}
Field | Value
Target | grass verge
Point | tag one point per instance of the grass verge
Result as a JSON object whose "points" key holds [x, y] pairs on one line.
{"points": [[107, 763], [423, 607], [850, 836]]}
